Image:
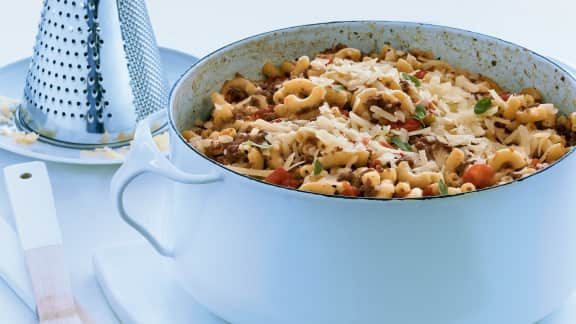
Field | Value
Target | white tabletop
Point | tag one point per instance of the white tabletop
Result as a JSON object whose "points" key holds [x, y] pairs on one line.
{"points": [[81, 193]]}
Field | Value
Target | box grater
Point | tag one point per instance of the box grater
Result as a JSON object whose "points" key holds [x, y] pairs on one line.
{"points": [[95, 72]]}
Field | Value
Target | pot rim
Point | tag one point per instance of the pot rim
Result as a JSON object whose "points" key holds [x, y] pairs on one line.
{"points": [[186, 74]]}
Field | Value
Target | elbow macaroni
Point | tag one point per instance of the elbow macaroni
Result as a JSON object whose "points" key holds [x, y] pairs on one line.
{"points": [[392, 124]]}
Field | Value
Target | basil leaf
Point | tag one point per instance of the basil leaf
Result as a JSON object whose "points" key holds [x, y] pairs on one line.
{"points": [[442, 187], [338, 87], [412, 78], [401, 144], [262, 146], [421, 113], [482, 105], [317, 167]]}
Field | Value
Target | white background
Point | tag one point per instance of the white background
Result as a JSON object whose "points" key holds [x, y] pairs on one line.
{"points": [[85, 211]]}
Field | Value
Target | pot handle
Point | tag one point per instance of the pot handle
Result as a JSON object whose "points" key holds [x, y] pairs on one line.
{"points": [[144, 157]]}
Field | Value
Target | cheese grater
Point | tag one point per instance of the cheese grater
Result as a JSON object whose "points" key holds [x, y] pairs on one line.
{"points": [[95, 72]]}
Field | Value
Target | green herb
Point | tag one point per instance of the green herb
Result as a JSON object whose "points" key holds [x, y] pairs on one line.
{"points": [[421, 113], [442, 187], [262, 146], [412, 78], [338, 87], [317, 167], [401, 144], [482, 105]]}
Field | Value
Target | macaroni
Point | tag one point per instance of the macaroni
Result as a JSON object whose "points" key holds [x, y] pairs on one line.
{"points": [[392, 124]]}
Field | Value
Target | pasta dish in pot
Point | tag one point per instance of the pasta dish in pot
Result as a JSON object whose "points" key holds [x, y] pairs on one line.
{"points": [[392, 124]]}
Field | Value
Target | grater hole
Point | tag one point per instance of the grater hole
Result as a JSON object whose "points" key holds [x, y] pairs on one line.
{"points": [[26, 176], [72, 115], [109, 115]]}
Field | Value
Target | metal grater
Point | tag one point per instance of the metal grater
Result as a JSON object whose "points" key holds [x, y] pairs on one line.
{"points": [[95, 73]]}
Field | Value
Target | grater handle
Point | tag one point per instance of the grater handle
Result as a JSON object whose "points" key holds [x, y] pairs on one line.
{"points": [[145, 157]]}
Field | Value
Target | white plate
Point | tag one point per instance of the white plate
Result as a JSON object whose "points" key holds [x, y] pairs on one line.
{"points": [[139, 289], [12, 79]]}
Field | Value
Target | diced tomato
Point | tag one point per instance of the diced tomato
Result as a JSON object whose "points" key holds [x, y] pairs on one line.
{"points": [[411, 124], [350, 190], [385, 144], [428, 191], [330, 58], [365, 141], [534, 163], [505, 95], [261, 112], [420, 74], [375, 164], [480, 175], [282, 177]]}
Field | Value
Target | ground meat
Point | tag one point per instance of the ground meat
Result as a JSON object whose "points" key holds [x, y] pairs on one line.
{"points": [[232, 153], [390, 107], [235, 95], [268, 87], [258, 138], [334, 49], [462, 167], [429, 145], [347, 176], [424, 143], [404, 85], [368, 190]]}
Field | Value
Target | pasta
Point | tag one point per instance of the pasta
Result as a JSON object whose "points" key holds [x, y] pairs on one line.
{"points": [[392, 124]]}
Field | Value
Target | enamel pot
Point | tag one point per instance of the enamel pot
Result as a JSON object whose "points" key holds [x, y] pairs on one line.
{"points": [[256, 253]]}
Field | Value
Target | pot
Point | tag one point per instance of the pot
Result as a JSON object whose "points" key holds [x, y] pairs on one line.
{"points": [[256, 253]]}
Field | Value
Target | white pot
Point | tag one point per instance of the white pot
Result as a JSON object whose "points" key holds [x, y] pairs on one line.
{"points": [[256, 253]]}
